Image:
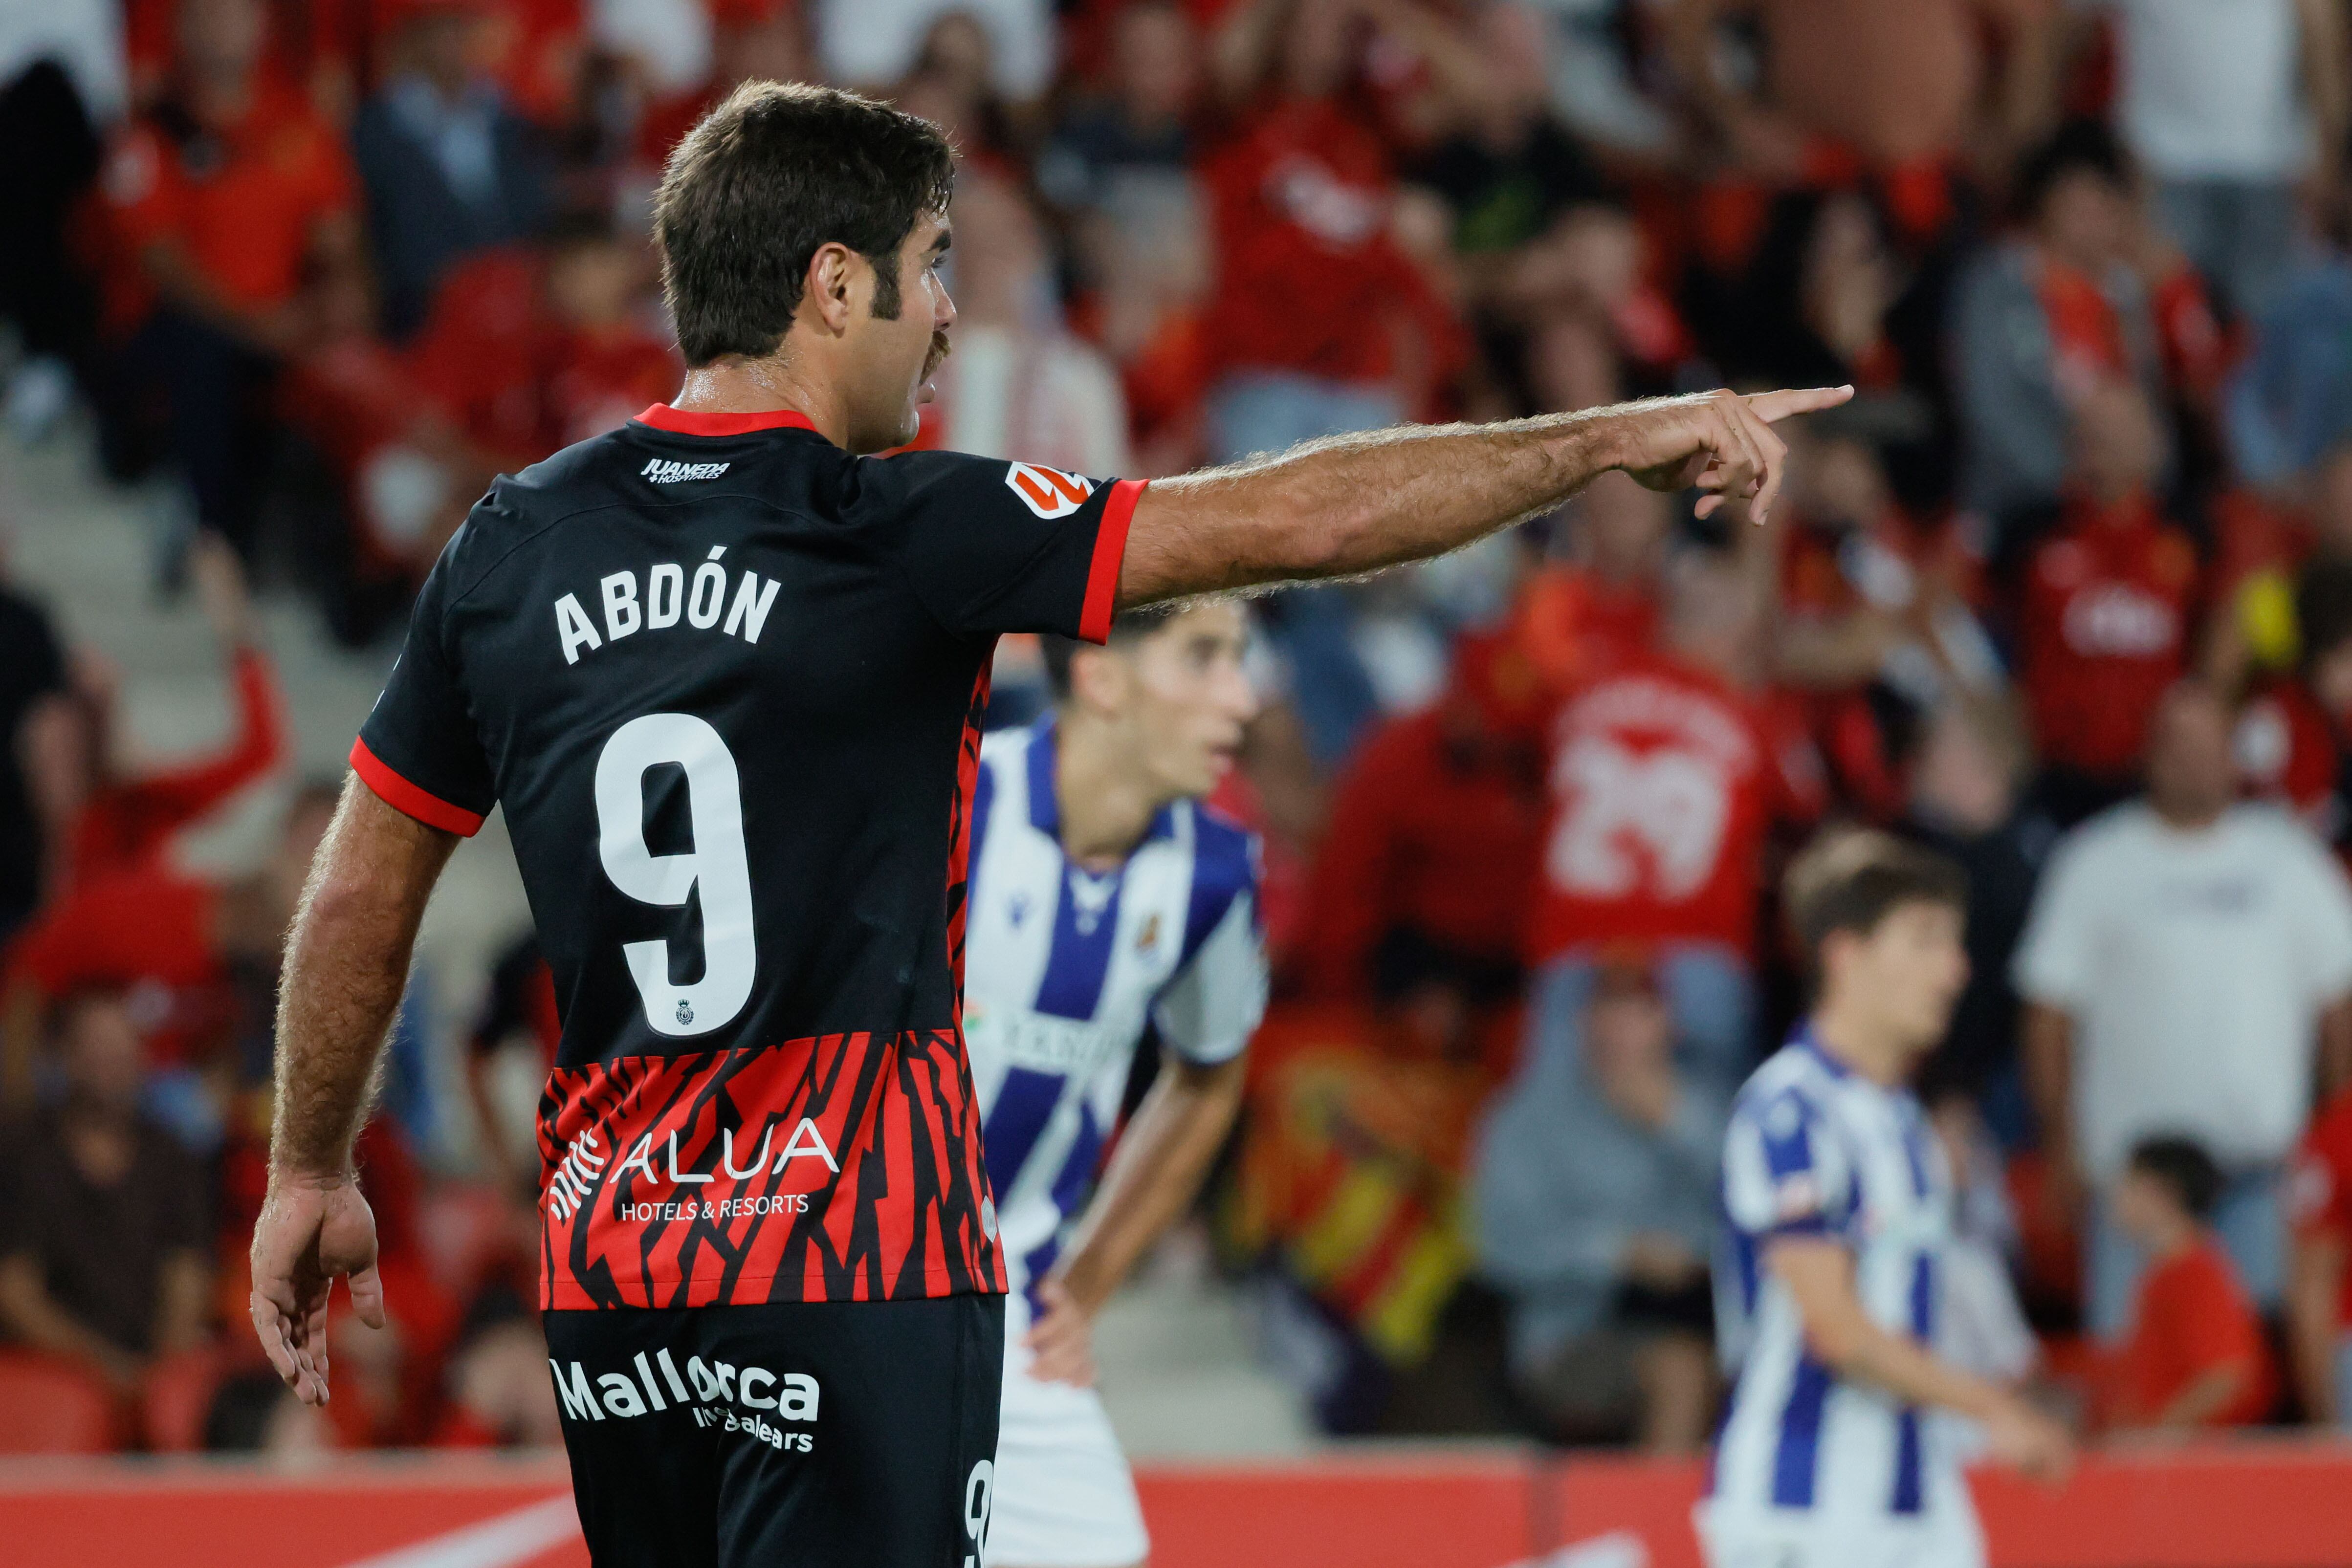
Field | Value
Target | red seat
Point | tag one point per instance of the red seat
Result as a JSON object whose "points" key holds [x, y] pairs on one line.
{"points": [[52, 1406], [177, 1398]]}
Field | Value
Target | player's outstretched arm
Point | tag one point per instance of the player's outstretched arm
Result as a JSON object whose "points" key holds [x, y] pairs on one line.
{"points": [[1357, 503], [1162, 1158], [1819, 1273], [346, 965]]}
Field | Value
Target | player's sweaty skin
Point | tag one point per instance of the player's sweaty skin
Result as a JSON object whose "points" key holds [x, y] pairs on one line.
{"points": [[1359, 503]]}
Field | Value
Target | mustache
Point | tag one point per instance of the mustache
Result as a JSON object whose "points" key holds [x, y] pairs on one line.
{"points": [[940, 349]]}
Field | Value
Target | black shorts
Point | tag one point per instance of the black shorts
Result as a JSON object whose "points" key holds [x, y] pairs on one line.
{"points": [[778, 1436]]}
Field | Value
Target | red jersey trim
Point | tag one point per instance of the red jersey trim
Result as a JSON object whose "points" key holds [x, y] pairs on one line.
{"points": [[1110, 550], [687, 422], [401, 796], [959, 825]]}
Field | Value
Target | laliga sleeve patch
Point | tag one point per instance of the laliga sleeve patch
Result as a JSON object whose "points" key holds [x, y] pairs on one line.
{"points": [[1048, 491]]}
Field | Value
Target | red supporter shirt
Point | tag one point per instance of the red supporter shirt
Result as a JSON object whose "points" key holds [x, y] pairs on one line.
{"points": [[126, 825], [1827, 574], [2089, 342], [1308, 279], [2251, 535], [305, 39], [2191, 1316], [2319, 1190], [1664, 782], [2087, 337], [2287, 752], [1835, 571], [477, 354], [150, 934], [1430, 831], [1575, 625], [242, 201], [2105, 624], [2196, 351], [536, 49], [597, 382], [352, 395], [666, 121]]}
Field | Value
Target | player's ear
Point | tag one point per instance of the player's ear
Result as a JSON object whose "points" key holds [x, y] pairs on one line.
{"points": [[832, 278], [1098, 679]]}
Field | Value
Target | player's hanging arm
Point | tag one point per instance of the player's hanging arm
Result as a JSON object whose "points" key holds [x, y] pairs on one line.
{"points": [[1819, 1273], [1162, 1156], [1358, 503], [346, 967]]}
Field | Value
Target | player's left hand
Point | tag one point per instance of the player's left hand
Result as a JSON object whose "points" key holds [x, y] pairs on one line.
{"points": [[309, 1232], [1061, 1343]]}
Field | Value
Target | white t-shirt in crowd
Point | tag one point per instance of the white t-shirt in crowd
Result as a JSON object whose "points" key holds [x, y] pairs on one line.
{"points": [[84, 36], [2211, 89], [2194, 965], [669, 40], [872, 42], [1039, 397]]}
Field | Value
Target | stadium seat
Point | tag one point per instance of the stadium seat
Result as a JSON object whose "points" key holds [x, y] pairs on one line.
{"points": [[178, 1395], [51, 1407]]}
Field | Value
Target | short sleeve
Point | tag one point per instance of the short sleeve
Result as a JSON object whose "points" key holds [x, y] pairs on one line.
{"points": [[2209, 1320], [1208, 1009], [990, 546], [2053, 958], [418, 750], [2325, 931], [1212, 1006], [1783, 1172]]}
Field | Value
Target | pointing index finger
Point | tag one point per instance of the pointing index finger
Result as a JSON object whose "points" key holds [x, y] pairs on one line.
{"points": [[1774, 407]]}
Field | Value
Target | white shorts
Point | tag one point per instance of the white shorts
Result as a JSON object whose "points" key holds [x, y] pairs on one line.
{"points": [[1063, 1496], [1799, 1538]]}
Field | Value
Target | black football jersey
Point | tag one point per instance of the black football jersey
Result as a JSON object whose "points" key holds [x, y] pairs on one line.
{"points": [[726, 681]]}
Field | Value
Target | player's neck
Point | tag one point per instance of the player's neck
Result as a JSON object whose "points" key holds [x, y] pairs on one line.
{"points": [[2172, 1240], [1106, 803], [1857, 1041], [736, 385]]}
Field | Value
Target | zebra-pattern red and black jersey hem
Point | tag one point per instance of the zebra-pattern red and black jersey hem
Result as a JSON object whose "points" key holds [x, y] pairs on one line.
{"points": [[842, 1167]]}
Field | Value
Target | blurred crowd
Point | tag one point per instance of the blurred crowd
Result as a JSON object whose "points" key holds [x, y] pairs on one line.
{"points": [[2066, 592]]}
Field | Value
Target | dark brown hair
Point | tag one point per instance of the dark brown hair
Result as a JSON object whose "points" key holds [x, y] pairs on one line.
{"points": [[767, 179], [1851, 879], [2181, 1165], [1127, 626]]}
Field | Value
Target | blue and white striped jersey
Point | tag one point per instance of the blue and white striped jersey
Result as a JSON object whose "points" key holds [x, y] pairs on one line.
{"points": [[1063, 970], [1817, 1149]]}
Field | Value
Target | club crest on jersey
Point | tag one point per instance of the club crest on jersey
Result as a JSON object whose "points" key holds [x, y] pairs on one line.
{"points": [[1048, 491], [1148, 937]]}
